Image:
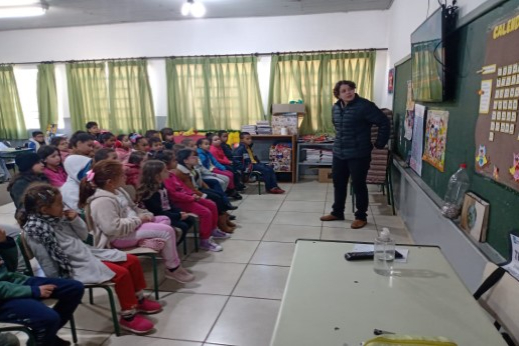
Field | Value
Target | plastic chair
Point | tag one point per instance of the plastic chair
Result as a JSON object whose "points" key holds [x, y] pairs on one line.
{"points": [[14, 327], [500, 301], [195, 230], [137, 251]]}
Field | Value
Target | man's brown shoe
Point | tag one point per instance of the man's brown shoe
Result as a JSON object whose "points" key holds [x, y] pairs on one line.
{"points": [[358, 224], [331, 217]]}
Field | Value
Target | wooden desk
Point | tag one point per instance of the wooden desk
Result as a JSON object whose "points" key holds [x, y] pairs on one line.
{"points": [[329, 301]]}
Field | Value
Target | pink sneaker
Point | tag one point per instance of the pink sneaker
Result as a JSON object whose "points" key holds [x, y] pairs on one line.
{"points": [[156, 244], [181, 275], [149, 307], [138, 325]]}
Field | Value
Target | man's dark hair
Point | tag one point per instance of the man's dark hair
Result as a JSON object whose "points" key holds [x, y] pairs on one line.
{"points": [[243, 134], [90, 124], [36, 133], [337, 86]]}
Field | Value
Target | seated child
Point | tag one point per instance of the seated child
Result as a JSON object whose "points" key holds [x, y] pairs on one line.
{"points": [[190, 202], [76, 167], [37, 140], [244, 160], [107, 140], [186, 172], [30, 170], [217, 149], [132, 169], [167, 135], [123, 147], [155, 144], [104, 154], [139, 143], [56, 238], [81, 143], [53, 169], [209, 162], [118, 222], [61, 143], [20, 297], [93, 129], [152, 193], [152, 133], [217, 182]]}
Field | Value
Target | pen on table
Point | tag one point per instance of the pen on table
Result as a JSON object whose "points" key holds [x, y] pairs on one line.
{"points": [[380, 332]]}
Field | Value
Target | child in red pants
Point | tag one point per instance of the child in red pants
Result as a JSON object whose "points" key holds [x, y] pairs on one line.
{"points": [[56, 239]]}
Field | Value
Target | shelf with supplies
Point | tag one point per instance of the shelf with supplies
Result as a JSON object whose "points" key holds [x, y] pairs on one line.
{"points": [[313, 154], [280, 152]]}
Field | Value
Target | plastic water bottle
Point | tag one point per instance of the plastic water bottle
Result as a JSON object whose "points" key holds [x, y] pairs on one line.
{"points": [[384, 253], [458, 186]]}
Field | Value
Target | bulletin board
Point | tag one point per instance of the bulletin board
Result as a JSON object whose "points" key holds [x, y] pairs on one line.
{"points": [[464, 114], [497, 139]]}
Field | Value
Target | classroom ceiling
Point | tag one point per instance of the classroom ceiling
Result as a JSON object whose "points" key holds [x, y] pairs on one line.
{"points": [[63, 13]]}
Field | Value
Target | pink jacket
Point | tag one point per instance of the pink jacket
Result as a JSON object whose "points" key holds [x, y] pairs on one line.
{"points": [[56, 178], [177, 190], [133, 173], [219, 154], [123, 154]]}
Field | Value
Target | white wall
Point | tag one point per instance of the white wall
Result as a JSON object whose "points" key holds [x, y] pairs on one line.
{"points": [[201, 37]]}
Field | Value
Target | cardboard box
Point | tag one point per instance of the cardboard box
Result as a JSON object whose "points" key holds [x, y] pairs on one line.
{"points": [[288, 120], [325, 175], [288, 108]]}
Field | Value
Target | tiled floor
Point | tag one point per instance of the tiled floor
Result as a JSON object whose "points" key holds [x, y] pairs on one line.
{"points": [[237, 294]]}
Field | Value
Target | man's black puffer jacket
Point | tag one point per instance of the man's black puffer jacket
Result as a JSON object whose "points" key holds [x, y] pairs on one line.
{"points": [[353, 123]]}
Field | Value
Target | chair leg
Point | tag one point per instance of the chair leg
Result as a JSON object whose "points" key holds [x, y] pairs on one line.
{"points": [[352, 198], [184, 245], [155, 276], [196, 229], [259, 186], [91, 295], [73, 329], [114, 311]]}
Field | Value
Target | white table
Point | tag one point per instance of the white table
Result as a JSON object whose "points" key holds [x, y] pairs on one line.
{"points": [[331, 302]]}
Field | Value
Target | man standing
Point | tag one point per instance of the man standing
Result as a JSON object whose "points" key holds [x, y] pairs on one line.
{"points": [[353, 117]]}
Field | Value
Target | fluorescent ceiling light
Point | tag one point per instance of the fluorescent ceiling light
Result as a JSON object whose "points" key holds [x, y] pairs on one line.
{"points": [[21, 8]]}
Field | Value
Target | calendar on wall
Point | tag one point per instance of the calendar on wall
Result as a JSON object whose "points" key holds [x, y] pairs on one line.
{"points": [[497, 133]]}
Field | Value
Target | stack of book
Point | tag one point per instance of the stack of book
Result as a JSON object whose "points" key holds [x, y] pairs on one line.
{"points": [[313, 155], [326, 156], [249, 128], [264, 127]]}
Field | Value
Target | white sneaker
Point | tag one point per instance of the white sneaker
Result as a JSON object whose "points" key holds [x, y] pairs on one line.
{"points": [[210, 245]]}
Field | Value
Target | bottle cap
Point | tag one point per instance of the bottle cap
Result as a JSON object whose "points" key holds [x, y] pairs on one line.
{"points": [[463, 165]]}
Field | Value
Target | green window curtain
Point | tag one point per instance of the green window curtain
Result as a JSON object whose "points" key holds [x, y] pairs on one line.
{"points": [[311, 78], [47, 96], [131, 104], [12, 124], [213, 93], [88, 94]]}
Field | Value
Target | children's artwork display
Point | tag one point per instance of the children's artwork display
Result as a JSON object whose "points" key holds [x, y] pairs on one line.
{"points": [[280, 157], [497, 141], [417, 145], [436, 138]]}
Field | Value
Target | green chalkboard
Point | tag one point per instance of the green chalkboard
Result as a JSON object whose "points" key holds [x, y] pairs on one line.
{"points": [[463, 109]]}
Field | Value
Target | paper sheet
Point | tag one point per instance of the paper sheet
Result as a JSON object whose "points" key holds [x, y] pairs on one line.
{"points": [[370, 247]]}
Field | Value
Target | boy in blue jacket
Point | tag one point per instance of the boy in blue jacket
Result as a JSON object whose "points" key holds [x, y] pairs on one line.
{"points": [[20, 297], [245, 161]]}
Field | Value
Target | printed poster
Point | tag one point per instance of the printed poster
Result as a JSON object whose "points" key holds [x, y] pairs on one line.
{"points": [[408, 124], [436, 138], [417, 145], [410, 103]]}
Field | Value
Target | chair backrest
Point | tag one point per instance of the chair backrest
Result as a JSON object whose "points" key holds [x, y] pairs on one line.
{"points": [[502, 303], [26, 253]]}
